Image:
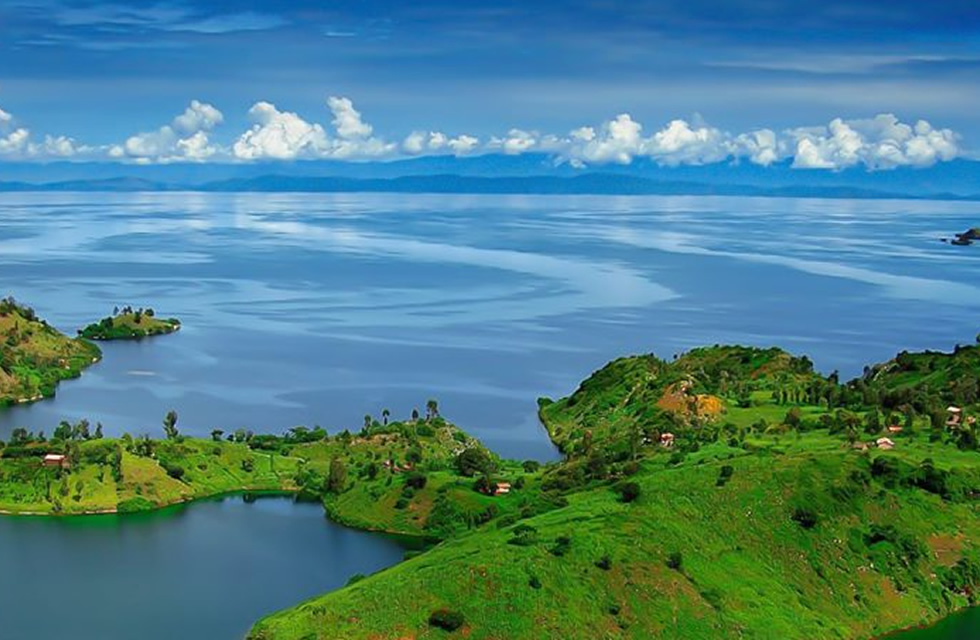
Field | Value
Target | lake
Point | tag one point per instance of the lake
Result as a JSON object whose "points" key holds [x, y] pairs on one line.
{"points": [[206, 570], [319, 309]]}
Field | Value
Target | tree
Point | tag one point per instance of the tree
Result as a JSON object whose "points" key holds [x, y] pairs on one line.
{"points": [[216, 434], [170, 425], [431, 409], [415, 414], [367, 421], [98, 430], [384, 416], [337, 479], [473, 460]]}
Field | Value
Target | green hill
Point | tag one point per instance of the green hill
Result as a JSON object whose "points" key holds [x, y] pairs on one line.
{"points": [[34, 356], [787, 505]]}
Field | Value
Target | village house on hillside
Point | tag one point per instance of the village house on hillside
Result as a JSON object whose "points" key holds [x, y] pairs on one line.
{"points": [[55, 460], [884, 443]]}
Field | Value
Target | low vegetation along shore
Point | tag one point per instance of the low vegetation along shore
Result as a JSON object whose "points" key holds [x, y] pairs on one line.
{"points": [[727, 492]]}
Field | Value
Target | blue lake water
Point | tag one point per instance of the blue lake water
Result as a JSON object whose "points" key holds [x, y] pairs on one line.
{"points": [[205, 571], [317, 309], [320, 308]]}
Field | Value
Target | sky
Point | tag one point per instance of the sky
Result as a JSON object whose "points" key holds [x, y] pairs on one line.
{"points": [[823, 85]]}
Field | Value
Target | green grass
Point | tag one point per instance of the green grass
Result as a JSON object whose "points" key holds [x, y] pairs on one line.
{"points": [[748, 568]]}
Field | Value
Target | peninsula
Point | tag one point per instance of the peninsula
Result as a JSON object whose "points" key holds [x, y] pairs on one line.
{"points": [[35, 356], [129, 324]]}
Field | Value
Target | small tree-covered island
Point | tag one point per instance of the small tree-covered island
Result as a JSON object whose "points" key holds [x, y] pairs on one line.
{"points": [[127, 323], [727, 492]]}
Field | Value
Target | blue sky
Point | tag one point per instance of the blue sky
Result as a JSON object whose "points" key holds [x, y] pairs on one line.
{"points": [[83, 78]]}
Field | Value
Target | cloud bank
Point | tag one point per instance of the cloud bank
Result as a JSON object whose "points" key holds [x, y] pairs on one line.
{"points": [[879, 143]]}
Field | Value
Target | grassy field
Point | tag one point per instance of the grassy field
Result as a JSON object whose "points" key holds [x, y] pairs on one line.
{"points": [[130, 324], [35, 357]]}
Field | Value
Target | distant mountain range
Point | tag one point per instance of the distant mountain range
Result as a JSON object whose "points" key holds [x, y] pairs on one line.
{"points": [[524, 174]]}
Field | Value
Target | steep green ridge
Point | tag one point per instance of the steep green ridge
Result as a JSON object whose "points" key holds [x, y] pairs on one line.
{"points": [[34, 356], [130, 324], [773, 513]]}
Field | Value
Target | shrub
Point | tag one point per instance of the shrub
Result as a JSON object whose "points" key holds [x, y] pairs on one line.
{"points": [[248, 465], [524, 535], [675, 561], [604, 563], [416, 480], [562, 545], [401, 503], [724, 475], [628, 491], [805, 517], [530, 466], [175, 471], [446, 619], [534, 582]]}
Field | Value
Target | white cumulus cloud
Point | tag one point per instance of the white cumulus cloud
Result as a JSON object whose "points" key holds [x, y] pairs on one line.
{"points": [[185, 139], [284, 135], [419, 142], [882, 142]]}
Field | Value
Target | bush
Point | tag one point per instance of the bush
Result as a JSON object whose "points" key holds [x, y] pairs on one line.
{"points": [[675, 561], [724, 475], [446, 619], [357, 577], [524, 535], [534, 582], [628, 491], [175, 471], [562, 545], [604, 563], [416, 480], [531, 466], [248, 465], [401, 503], [805, 517]]}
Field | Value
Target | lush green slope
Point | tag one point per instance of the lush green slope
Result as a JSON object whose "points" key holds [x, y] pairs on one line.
{"points": [[772, 514], [34, 356], [746, 566], [130, 324]]}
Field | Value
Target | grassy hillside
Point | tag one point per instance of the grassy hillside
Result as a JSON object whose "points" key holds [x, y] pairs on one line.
{"points": [[130, 324], [689, 558], [772, 513], [34, 356]]}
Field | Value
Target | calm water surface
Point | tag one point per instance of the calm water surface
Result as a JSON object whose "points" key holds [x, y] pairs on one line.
{"points": [[207, 570], [317, 309]]}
